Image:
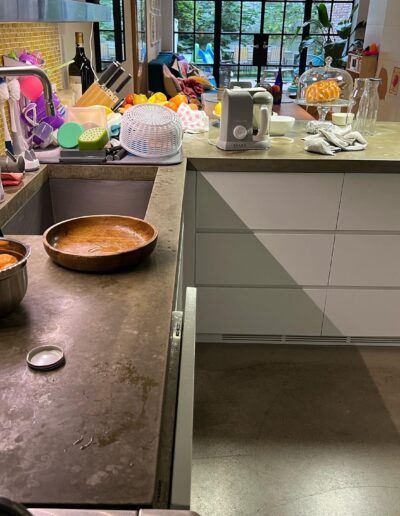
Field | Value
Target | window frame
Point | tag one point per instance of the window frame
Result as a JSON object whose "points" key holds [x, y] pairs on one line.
{"points": [[218, 34], [119, 31]]}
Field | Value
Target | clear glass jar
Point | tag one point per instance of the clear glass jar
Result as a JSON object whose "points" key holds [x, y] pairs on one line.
{"points": [[368, 109]]}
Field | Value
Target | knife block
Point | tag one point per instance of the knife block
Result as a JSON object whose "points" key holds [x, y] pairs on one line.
{"points": [[97, 95]]}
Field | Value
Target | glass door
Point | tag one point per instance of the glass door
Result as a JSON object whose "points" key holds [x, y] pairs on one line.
{"points": [[241, 40]]}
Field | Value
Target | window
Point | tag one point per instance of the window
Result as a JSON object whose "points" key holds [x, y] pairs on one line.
{"points": [[109, 37], [242, 40]]}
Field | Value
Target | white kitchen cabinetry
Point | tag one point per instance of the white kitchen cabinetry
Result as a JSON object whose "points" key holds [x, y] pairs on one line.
{"points": [[365, 260], [277, 201], [260, 311], [263, 259], [264, 245], [361, 312], [370, 202], [297, 254]]}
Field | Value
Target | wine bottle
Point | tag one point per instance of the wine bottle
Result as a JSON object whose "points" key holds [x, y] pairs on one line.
{"points": [[278, 84], [81, 75]]}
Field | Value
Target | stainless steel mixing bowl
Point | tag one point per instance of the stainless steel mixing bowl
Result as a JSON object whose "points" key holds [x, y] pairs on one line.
{"points": [[13, 279]]}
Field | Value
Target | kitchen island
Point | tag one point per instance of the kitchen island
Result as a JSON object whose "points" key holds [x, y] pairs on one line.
{"points": [[115, 328], [383, 148]]}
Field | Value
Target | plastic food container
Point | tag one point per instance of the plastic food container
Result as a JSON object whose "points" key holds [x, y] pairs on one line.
{"points": [[87, 117]]}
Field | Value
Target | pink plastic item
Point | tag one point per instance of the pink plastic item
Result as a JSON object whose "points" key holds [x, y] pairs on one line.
{"points": [[31, 87]]}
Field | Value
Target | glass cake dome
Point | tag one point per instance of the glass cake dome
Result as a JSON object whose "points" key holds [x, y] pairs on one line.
{"points": [[325, 87]]}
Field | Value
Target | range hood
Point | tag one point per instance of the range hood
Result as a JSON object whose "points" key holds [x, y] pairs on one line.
{"points": [[57, 11]]}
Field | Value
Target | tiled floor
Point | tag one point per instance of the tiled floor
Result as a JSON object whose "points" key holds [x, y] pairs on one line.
{"points": [[296, 431]]}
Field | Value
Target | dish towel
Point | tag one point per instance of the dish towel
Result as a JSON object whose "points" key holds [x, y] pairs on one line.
{"points": [[334, 139], [11, 178]]}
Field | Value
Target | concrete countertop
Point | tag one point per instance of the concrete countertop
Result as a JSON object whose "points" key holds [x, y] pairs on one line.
{"points": [[383, 147], [114, 330]]}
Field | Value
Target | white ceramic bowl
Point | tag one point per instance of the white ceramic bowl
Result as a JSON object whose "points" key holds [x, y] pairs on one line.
{"points": [[280, 125]]}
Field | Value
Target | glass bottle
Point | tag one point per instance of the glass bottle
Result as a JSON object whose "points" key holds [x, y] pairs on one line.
{"points": [[358, 90], [368, 108], [80, 71], [279, 83]]}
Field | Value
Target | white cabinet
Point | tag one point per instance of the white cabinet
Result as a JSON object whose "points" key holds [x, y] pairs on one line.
{"points": [[362, 312], [263, 259], [370, 202], [258, 311], [297, 254], [366, 261], [281, 201]]}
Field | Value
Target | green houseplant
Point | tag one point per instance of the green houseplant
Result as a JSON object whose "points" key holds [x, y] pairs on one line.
{"points": [[325, 43]]}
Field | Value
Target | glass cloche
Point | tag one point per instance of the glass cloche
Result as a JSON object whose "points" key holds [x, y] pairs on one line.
{"points": [[325, 87]]}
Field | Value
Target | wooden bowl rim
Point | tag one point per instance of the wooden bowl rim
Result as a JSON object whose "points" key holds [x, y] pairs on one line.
{"points": [[96, 257]]}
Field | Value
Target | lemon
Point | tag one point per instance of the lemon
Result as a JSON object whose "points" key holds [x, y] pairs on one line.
{"points": [[218, 108], [139, 99], [160, 97]]}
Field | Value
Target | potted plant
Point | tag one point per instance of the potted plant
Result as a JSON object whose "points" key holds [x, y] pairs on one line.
{"points": [[333, 46]]}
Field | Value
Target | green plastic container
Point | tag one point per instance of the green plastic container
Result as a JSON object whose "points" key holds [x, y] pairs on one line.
{"points": [[93, 139]]}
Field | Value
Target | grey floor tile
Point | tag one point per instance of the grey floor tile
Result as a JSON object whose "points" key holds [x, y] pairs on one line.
{"points": [[296, 430]]}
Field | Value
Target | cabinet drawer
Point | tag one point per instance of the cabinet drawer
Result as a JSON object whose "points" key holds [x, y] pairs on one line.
{"points": [[367, 313], [263, 259], [366, 261], [370, 202], [267, 200], [258, 311]]}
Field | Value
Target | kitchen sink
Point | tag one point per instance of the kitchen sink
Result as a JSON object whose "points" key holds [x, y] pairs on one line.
{"points": [[61, 199]]}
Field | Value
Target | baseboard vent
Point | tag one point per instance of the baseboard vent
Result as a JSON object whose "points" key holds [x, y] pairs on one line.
{"points": [[232, 337], [375, 341], [305, 340]]}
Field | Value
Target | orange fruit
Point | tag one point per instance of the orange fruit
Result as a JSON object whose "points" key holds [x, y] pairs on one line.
{"points": [[171, 105], [179, 99], [6, 260]]}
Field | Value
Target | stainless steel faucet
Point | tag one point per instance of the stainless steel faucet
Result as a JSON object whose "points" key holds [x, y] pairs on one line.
{"points": [[21, 71]]}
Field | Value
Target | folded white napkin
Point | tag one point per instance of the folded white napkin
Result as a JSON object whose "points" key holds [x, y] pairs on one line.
{"points": [[334, 139]]}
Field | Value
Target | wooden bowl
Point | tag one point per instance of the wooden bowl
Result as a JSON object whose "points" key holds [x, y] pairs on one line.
{"points": [[100, 243]]}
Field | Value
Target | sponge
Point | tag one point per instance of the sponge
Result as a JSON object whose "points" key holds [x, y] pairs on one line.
{"points": [[93, 139], [68, 135]]}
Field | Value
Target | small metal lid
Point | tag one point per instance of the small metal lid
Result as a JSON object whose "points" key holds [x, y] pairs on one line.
{"points": [[45, 358]]}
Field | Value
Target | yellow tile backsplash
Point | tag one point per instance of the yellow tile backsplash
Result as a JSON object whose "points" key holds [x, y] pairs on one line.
{"points": [[43, 37]]}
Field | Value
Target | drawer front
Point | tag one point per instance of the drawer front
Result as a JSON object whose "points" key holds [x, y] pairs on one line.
{"points": [[263, 259], [367, 313], [267, 201], [370, 202], [366, 261], [258, 311]]}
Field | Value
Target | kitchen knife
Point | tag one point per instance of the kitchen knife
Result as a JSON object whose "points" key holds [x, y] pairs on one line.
{"points": [[114, 77], [123, 83], [109, 72], [117, 105]]}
